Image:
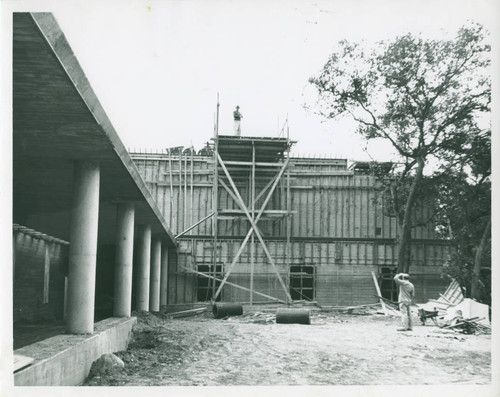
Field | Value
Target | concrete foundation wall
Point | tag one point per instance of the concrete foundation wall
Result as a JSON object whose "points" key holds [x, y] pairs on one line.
{"points": [[65, 360], [342, 269]]}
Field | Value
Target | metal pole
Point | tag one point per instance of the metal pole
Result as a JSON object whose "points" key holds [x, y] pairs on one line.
{"points": [[215, 203], [191, 193], [193, 226], [288, 223], [252, 206], [171, 188]]}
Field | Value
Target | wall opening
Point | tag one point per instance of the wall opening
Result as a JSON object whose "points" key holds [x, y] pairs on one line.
{"points": [[204, 285], [302, 279], [388, 288]]}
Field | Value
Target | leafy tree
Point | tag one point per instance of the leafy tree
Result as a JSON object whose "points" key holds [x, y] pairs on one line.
{"points": [[464, 214], [423, 96]]}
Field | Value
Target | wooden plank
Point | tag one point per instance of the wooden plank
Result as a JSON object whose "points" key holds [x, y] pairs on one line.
{"points": [[462, 322], [46, 272], [288, 224], [193, 226], [249, 163], [382, 303], [254, 224], [267, 212], [263, 191], [442, 303], [215, 204], [187, 313], [235, 285], [444, 297]]}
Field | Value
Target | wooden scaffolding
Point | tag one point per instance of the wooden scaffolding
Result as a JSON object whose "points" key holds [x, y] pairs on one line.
{"points": [[262, 162]]}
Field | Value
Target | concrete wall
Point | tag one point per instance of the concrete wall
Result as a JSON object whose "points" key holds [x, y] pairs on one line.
{"points": [[65, 360]]}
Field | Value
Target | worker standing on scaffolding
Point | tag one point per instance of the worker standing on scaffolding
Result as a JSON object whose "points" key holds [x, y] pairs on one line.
{"points": [[237, 121]]}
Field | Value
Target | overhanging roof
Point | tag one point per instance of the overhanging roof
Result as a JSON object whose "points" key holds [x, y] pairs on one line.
{"points": [[57, 119]]}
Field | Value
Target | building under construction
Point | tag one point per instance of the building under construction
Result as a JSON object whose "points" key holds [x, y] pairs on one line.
{"points": [[255, 224], [99, 232]]}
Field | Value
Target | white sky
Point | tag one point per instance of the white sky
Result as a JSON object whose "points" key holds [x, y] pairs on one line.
{"points": [[157, 66]]}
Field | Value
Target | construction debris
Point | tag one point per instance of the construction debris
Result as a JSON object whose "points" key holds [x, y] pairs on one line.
{"points": [[187, 313], [470, 326], [257, 317], [456, 313], [391, 307]]}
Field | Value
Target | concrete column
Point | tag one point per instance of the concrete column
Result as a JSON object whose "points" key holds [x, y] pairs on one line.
{"points": [[143, 268], [164, 276], [83, 248], [154, 292], [123, 259]]}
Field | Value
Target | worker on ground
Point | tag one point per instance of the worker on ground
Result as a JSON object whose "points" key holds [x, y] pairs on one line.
{"points": [[406, 295], [237, 121]]}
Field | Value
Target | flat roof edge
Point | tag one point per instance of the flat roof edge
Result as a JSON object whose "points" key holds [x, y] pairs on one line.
{"points": [[53, 34]]}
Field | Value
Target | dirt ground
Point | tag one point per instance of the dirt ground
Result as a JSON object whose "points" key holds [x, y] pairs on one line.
{"points": [[336, 349]]}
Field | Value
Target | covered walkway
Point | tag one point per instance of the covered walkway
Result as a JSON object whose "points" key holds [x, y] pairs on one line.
{"points": [[87, 231]]}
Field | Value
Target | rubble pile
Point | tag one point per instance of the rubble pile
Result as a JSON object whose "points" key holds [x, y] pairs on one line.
{"points": [[454, 312]]}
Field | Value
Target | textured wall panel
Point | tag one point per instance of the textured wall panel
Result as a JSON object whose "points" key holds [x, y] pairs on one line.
{"points": [[328, 200]]}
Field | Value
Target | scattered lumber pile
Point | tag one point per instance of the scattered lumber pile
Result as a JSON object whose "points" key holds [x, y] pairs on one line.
{"points": [[436, 309], [469, 326], [187, 313], [452, 297], [456, 313]]}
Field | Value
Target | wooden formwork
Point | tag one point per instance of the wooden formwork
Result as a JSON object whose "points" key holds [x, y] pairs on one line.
{"points": [[327, 199], [320, 212]]}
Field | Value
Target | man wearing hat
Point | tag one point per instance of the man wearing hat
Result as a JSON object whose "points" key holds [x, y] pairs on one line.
{"points": [[406, 295], [237, 120]]}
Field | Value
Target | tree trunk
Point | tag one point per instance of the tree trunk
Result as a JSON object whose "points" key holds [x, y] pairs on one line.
{"points": [[404, 249], [475, 294], [404, 240]]}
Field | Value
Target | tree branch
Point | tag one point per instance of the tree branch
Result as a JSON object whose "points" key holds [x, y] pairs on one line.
{"points": [[382, 131]]}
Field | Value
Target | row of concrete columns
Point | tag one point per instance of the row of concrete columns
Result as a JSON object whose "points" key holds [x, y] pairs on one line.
{"points": [[152, 257]]}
